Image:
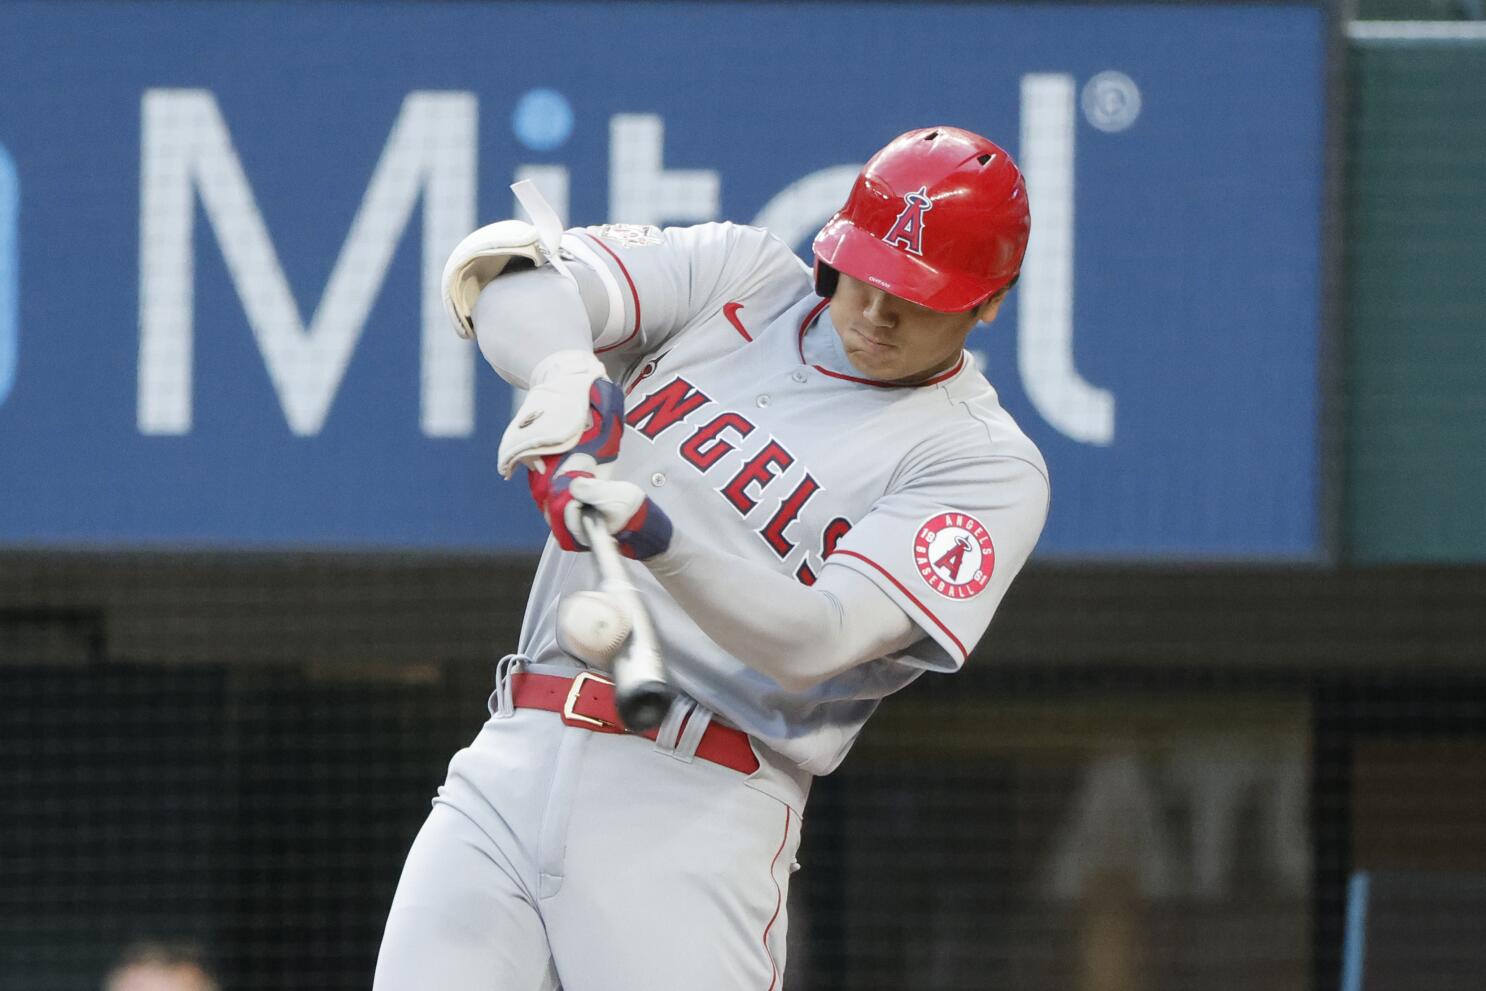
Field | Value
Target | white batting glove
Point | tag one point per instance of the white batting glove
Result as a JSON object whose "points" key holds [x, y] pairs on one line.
{"points": [[555, 413], [640, 527]]}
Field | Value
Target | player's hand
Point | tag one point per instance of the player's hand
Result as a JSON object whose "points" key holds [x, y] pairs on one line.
{"points": [[569, 399], [640, 527], [595, 450]]}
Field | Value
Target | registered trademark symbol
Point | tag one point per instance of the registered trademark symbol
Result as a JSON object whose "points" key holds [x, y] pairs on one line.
{"points": [[1111, 101]]}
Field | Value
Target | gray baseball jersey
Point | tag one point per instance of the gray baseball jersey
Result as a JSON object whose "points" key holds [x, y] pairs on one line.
{"points": [[749, 427]]}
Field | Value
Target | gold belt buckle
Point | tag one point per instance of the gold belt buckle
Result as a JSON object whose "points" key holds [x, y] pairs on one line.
{"points": [[573, 718]]}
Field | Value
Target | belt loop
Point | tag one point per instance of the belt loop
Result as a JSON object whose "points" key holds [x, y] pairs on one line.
{"points": [[691, 737], [670, 728], [501, 705]]}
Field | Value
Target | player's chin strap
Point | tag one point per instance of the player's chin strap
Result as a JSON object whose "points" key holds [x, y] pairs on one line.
{"points": [[484, 254]]}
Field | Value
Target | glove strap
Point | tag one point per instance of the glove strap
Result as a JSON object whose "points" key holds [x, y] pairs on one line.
{"points": [[546, 221]]}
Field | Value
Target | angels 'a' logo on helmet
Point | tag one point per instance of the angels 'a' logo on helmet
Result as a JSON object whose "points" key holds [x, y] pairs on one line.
{"points": [[954, 555], [908, 230]]}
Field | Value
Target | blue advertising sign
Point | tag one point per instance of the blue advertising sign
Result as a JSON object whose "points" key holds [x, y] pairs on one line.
{"points": [[227, 331], [10, 271]]}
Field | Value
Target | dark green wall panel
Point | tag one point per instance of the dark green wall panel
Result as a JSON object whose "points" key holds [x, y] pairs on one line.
{"points": [[1414, 368]]}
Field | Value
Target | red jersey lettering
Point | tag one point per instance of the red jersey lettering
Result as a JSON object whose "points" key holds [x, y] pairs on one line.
{"points": [[760, 470], [665, 407], [705, 447], [789, 511]]}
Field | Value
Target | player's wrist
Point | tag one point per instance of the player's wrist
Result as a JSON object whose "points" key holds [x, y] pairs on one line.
{"points": [[673, 560], [640, 528], [579, 364]]}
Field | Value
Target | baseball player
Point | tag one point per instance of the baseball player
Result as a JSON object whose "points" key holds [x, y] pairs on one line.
{"points": [[822, 499]]}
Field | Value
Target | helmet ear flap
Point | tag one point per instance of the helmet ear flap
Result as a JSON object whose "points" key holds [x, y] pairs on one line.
{"points": [[826, 278]]}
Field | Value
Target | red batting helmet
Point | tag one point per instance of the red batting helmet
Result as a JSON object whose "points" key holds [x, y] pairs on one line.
{"points": [[938, 217]]}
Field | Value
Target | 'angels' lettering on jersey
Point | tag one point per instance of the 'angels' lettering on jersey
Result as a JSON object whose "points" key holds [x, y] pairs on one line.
{"points": [[665, 407], [707, 446], [704, 446], [759, 471], [829, 538]]}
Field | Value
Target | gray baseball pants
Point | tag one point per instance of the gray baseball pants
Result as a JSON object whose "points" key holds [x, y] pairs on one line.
{"points": [[555, 858]]}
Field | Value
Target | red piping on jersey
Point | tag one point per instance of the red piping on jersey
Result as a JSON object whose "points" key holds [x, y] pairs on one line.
{"points": [[730, 310], [912, 598], [778, 901], [647, 370], [634, 293], [810, 319], [805, 325]]}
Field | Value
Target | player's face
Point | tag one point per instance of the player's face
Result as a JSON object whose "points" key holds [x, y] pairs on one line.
{"points": [[892, 340]]}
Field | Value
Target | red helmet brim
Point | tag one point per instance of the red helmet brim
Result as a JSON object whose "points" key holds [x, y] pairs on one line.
{"points": [[867, 258]]}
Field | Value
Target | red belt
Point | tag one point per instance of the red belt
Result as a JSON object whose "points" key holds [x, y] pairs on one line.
{"points": [[587, 702]]}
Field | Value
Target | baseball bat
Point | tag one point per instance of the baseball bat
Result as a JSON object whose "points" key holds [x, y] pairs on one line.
{"points": [[640, 690]]}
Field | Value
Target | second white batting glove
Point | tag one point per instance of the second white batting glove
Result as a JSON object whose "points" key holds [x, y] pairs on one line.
{"points": [[555, 413], [640, 527]]}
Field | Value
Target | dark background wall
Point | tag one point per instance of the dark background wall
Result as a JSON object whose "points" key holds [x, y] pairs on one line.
{"points": [[1166, 774]]}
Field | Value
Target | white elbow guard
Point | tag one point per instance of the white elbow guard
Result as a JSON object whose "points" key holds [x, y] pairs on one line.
{"points": [[479, 258]]}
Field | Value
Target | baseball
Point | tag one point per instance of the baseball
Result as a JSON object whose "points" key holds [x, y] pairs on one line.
{"points": [[591, 626]]}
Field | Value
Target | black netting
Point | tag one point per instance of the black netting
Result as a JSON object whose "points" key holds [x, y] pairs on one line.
{"points": [[1059, 815]]}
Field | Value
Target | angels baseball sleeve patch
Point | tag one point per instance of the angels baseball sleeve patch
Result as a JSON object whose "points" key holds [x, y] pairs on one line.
{"points": [[954, 555]]}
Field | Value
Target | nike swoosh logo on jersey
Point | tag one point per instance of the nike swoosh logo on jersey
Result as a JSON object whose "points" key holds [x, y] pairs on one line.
{"points": [[730, 310]]}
